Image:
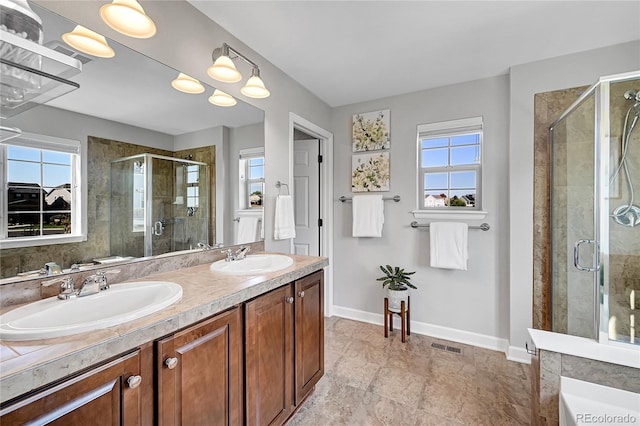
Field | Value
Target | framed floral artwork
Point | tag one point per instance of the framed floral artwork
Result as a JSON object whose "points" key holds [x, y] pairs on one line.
{"points": [[370, 131], [370, 172]]}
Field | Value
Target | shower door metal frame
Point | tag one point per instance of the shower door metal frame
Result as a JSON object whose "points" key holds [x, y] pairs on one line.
{"points": [[595, 269]]}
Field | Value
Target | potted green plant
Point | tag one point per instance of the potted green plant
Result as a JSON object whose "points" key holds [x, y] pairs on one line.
{"points": [[398, 282]]}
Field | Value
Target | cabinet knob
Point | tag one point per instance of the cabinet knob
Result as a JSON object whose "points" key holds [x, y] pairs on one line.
{"points": [[171, 363], [289, 299], [134, 381], [301, 294]]}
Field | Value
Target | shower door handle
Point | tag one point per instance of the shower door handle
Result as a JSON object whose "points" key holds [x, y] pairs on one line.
{"points": [[576, 256], [158, 228]]}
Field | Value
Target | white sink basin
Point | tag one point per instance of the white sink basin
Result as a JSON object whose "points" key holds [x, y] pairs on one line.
{"points": [[53, 317], [253, 264]]}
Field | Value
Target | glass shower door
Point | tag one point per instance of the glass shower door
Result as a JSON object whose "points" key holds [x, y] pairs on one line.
{"points": [[574, 247]]}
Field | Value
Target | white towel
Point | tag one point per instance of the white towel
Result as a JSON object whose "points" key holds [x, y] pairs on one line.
{"points": [[449, 245], [368, 215], [284, 224], [247, 230]]}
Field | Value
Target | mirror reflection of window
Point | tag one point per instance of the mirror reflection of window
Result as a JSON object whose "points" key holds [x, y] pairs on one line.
{"points": [[41, 199], [138, 196], [251, 178], [193, 189]]}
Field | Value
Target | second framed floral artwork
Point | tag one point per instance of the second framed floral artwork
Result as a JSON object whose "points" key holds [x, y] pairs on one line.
{"points": [[370, 131], [370, 172]]}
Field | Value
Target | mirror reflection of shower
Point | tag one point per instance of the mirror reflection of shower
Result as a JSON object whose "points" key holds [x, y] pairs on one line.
{"points": [[627, 214]]}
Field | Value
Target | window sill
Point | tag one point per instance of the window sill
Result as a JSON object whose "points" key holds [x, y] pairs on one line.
{"points": [[41, 241], [449, 215]]}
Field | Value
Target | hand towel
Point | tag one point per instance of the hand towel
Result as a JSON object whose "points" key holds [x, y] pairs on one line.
{"points": [[449, 245], [247, 230], [284, 224], [368, 215]]}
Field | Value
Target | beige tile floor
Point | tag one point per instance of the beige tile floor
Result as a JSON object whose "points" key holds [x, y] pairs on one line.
{"points": [[370, 380]]}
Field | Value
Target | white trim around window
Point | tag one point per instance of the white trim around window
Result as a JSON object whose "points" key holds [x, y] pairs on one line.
{"points": [[447, 166], [78, 189]]}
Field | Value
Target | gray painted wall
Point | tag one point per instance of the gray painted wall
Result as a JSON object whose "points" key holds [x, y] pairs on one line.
{"points": [[475, 300]]}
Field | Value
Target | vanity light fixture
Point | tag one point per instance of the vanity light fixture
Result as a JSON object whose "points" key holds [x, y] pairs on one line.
{"points": [[222, 99], [187, 84], [87, 41], [254, 88], [223, 69], [128, 17]]}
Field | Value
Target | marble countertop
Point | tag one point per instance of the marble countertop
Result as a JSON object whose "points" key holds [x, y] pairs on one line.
{"points": [[28, 365]]}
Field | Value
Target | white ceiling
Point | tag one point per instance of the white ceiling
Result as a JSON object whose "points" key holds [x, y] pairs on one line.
{"points": [[353, 51]]}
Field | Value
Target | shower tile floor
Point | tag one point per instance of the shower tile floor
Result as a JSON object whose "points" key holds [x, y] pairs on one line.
{"points": [[370, 380]]}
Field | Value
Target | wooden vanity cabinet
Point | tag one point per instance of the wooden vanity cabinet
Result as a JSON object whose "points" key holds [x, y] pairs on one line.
{"points": [[111, 394], [284, 349], [199, 372]]}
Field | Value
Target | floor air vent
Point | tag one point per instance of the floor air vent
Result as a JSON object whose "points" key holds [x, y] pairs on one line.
{"points": [[446, 348]]}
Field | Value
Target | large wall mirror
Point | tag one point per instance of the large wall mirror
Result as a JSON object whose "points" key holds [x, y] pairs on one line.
{"points": [[127, 117]]}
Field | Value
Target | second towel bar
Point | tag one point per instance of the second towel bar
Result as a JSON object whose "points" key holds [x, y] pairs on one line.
{"points": [[482, 226]]}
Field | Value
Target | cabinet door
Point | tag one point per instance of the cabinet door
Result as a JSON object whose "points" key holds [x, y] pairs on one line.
{"points": [[101, 396], [200, 373], [309, 333], [269, 357]]}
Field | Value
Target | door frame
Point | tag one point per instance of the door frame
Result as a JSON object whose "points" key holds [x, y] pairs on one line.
{"points": [[326, 196]]}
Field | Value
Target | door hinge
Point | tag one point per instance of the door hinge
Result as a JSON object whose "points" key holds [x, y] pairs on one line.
{"points": [[319, 158], [319, 222]]}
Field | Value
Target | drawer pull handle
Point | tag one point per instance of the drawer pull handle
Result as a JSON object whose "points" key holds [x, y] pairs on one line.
{"points": [[134, 381], [171, 363], [301, 294], [289, 300]]}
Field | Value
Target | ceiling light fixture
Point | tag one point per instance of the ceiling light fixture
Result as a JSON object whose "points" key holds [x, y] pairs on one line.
{"points": [[87, 41], [222, 99], [223, 69], [128, 17], [187, 84]]}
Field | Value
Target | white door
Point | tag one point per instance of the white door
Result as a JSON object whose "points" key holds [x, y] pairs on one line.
{"points": [[306, 177]]}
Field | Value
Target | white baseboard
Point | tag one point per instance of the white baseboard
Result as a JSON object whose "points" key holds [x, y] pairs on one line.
{"points": [[518, 354], [455, 335]]}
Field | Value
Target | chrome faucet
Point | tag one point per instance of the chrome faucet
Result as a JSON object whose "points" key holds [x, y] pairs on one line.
{"points": [[241, 253], [67, 288], [204, 246], [91, 285]]}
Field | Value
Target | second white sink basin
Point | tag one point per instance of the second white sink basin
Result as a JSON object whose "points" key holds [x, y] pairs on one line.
{"points": [[253, 264], [53, 317]]}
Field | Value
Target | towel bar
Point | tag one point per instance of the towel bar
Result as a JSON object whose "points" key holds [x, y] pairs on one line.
{"points": [[344, 199], [237, 219], [482, 226]]}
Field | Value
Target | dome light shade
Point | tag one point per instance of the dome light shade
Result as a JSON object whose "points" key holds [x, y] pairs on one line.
{"points": [[128, 17], [221, 98], [187, 84], [89, 42], [255, 86], [223, 69]]}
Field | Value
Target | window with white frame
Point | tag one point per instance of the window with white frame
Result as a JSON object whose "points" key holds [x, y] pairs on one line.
{"points": [[40, 200], [450, 165], [251, 178]]}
